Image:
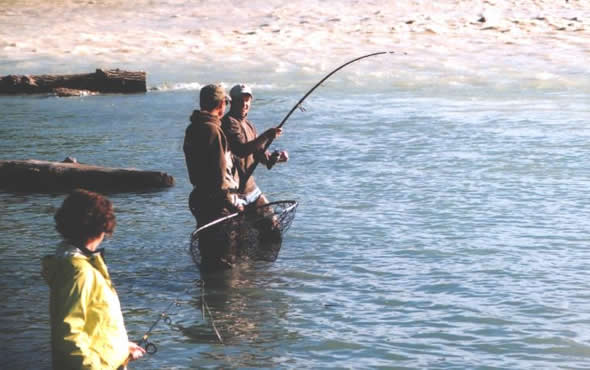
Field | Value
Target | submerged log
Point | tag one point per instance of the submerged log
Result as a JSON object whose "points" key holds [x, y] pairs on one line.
{"points": [[43, 176], [101, 81]]}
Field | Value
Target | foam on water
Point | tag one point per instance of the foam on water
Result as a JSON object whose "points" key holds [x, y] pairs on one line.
{"points": [[506, 44]]}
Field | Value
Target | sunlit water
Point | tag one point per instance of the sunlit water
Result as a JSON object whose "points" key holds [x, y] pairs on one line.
{"points": [[443, 193], [432, 232]]}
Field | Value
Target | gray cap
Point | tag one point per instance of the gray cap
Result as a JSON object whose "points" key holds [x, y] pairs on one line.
{"points": [[241, 89]]}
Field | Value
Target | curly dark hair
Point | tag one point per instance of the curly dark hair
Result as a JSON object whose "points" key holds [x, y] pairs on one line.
{"points": [[83, 216]]}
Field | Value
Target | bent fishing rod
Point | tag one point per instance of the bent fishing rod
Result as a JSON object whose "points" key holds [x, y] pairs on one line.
{"points": [[253, 166]]}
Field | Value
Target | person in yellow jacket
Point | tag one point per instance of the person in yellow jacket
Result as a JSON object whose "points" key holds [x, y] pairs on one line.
{"points": [[87, 328]]}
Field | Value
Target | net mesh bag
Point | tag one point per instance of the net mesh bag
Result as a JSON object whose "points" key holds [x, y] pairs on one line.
{"points": [[255, 234]]}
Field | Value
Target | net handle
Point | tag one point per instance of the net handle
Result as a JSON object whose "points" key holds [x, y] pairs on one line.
{"points": [[219, 220]]}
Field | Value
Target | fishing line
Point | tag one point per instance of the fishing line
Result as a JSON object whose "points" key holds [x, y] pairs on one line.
{"points": [[298, 105], [150, 347], [205, 308], [164, 316]]}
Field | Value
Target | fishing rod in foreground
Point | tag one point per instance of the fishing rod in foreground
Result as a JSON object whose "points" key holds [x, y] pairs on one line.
{"points": [[253, 166], [150, 347]]}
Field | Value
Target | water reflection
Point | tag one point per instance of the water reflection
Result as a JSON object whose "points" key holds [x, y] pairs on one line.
{"points": [[241, 316]]}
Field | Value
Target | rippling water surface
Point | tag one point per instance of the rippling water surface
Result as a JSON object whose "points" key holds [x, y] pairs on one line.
{"points": [[443, 190], [434, 231]]}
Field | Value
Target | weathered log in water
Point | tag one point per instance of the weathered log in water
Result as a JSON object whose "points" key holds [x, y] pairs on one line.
{"points": [[63, 92], [43, 176], [101, 81]]}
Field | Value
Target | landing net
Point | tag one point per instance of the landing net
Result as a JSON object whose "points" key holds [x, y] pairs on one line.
{"points": [[255, 234]]}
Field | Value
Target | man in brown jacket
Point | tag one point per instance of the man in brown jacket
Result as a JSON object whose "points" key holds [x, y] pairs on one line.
{"points": [[246, 145], [210, 169]]}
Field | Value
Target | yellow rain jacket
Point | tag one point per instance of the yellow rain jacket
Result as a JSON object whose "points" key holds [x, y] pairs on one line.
{"points": [[87, 328]]}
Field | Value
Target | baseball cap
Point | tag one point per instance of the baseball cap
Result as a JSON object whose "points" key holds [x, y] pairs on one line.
{"points": [[239, 90], [213, 94]]}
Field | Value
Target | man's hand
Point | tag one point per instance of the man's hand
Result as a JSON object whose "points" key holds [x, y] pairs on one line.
{"points": [[273, 133], [276, 157], [283, 156], [235, 203]]}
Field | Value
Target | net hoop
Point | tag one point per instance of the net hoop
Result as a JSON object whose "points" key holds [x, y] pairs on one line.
{"points": [[253, 234]]}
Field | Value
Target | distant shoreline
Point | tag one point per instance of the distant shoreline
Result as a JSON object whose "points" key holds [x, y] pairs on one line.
{"points": [[298, 40]]}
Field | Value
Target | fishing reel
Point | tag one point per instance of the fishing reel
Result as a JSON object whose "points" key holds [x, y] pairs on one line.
{"points": [[149, 347], [273, 159]]}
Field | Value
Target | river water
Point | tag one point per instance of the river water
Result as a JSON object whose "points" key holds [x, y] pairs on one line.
{"points": [[443, 212]]}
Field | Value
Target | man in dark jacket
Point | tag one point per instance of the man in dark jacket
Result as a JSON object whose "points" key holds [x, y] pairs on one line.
{"points": [[246, 145], [210, 169]]}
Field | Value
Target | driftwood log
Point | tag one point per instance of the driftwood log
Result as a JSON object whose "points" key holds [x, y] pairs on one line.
{"points": [[101, 81], [43, 176]]}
